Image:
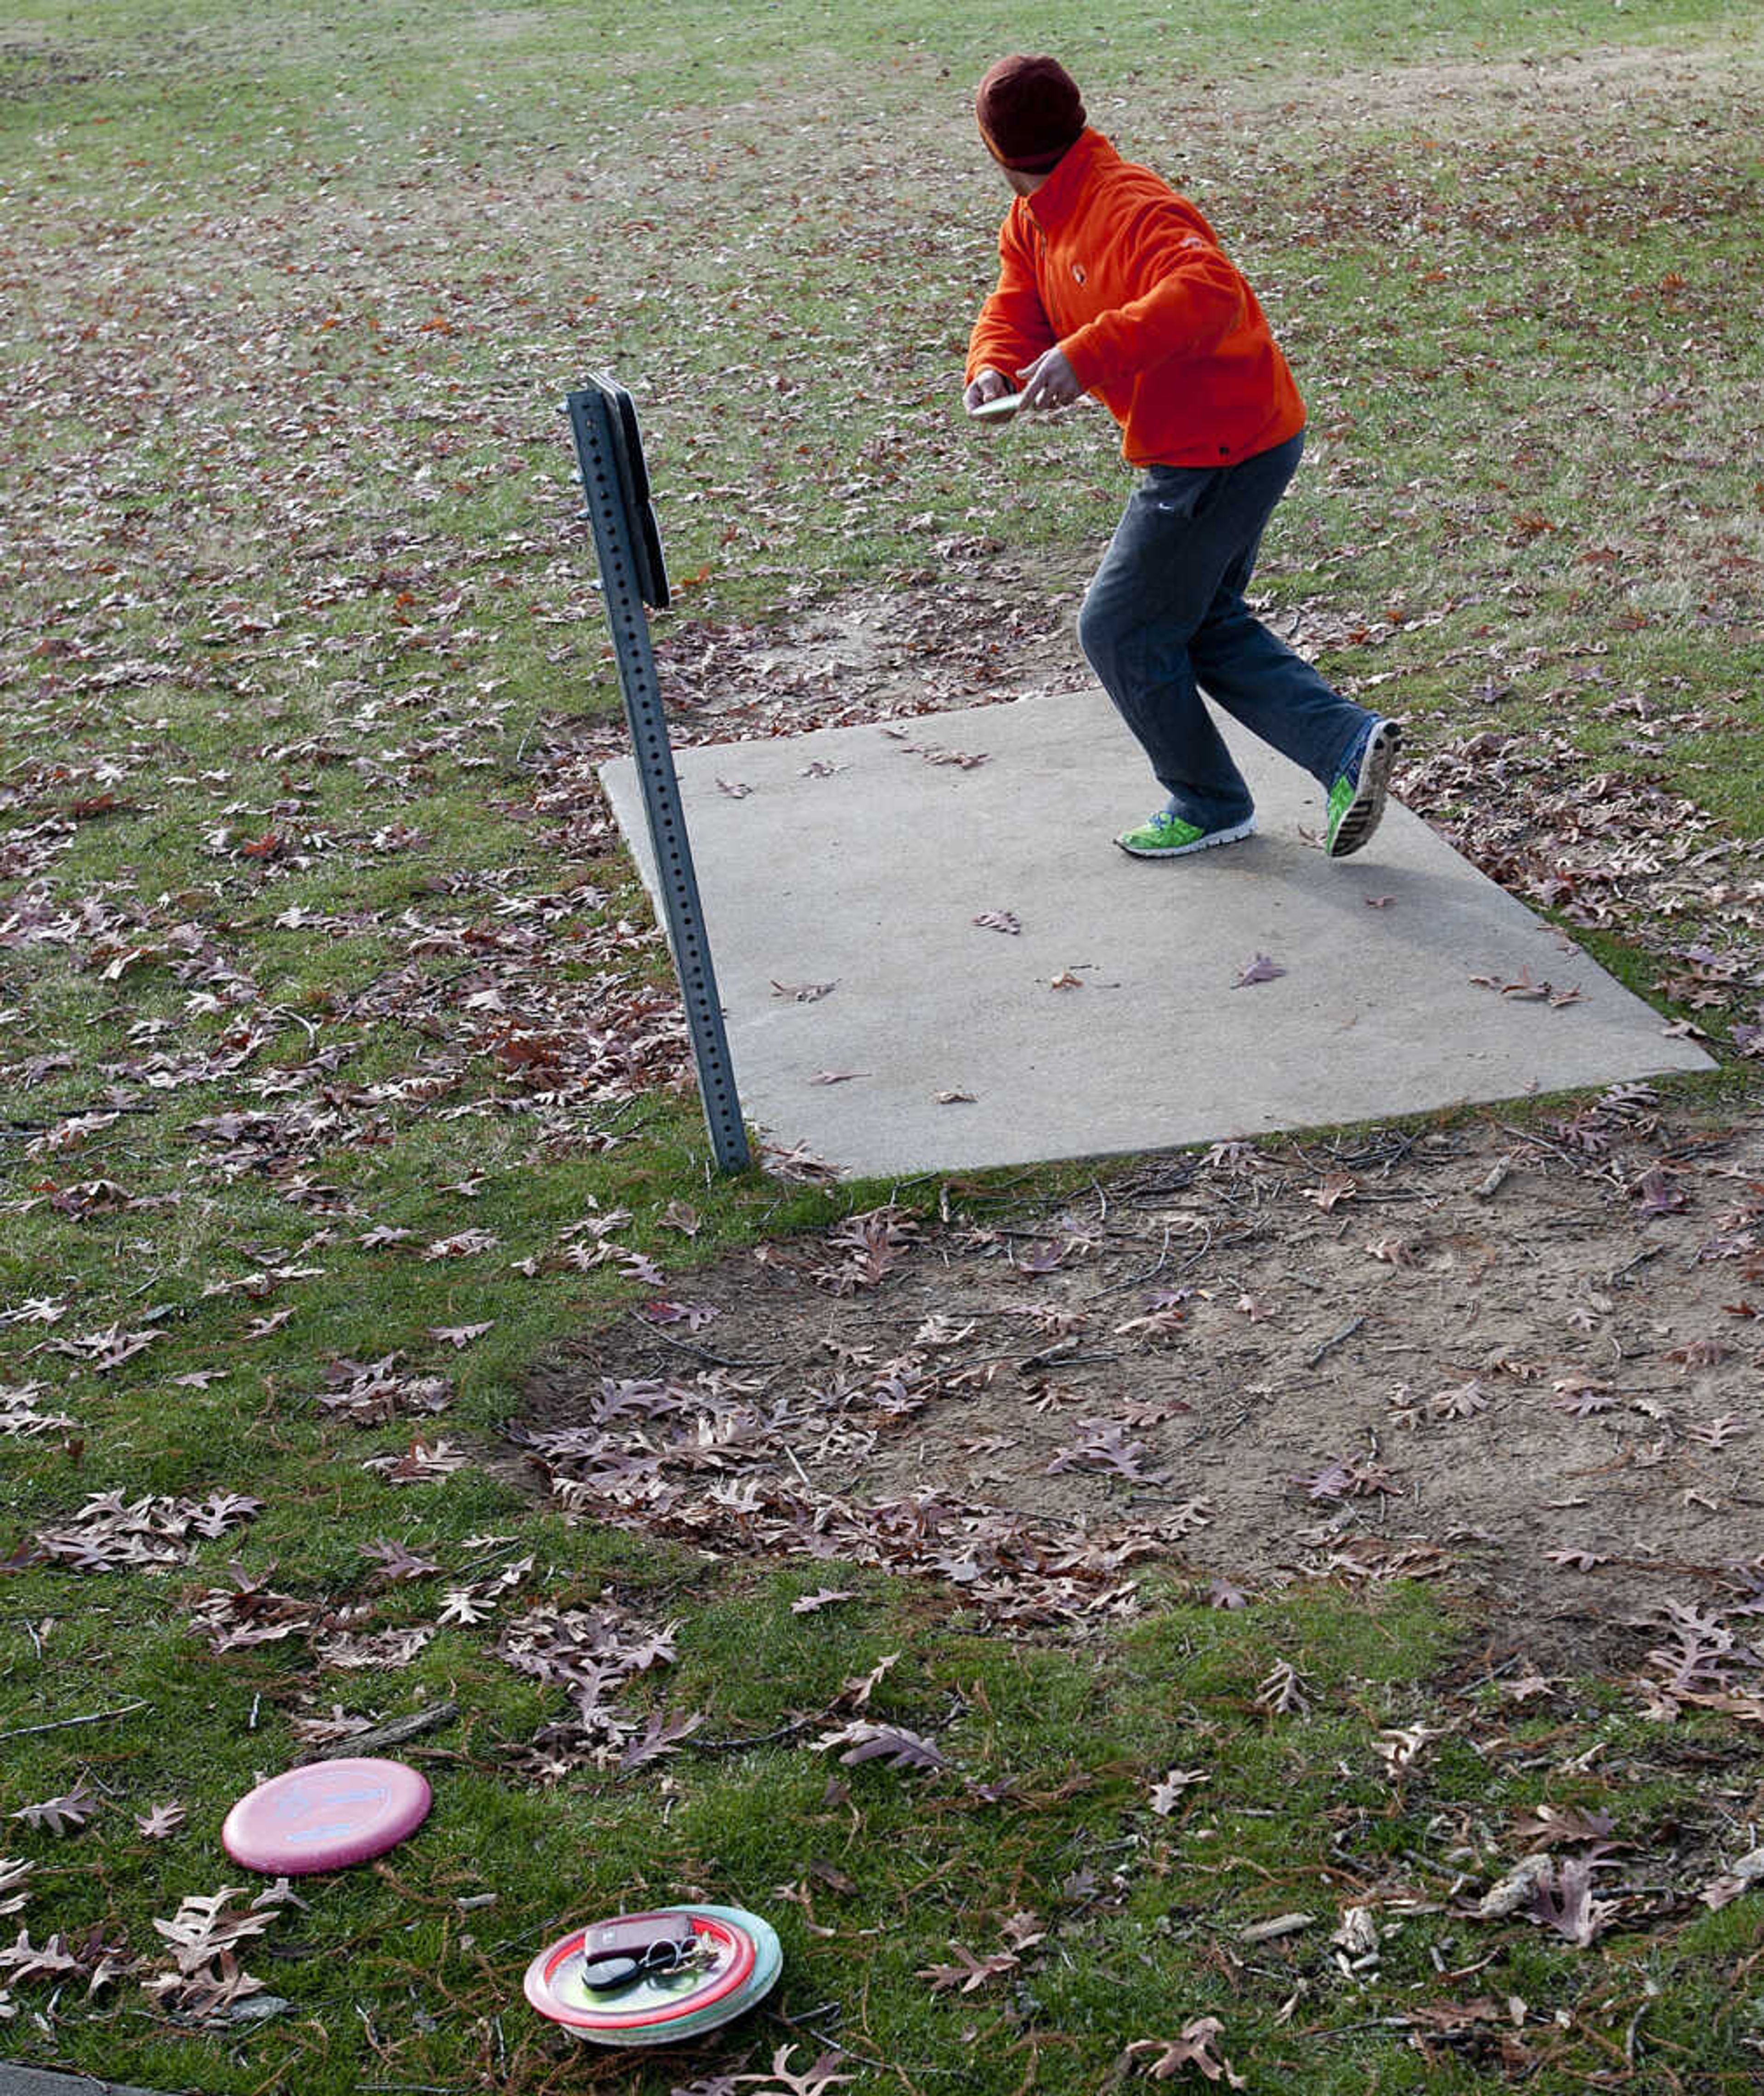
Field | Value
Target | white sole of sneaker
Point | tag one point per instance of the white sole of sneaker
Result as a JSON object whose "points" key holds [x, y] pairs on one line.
{"points": [[1365, 811], [1232, 835]]}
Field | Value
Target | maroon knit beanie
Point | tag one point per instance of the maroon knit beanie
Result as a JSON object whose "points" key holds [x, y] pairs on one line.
{"points": [[1030, 113]]}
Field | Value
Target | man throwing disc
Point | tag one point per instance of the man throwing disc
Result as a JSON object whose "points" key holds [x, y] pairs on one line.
{"points": [[1110, 283]]}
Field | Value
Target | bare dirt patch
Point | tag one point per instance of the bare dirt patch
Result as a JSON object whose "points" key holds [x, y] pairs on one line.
{"points": [[927, 645], [1519, 1359]]}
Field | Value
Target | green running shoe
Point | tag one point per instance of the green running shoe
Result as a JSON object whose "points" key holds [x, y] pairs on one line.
{"points": [[1356, 799], [1166, 836]]}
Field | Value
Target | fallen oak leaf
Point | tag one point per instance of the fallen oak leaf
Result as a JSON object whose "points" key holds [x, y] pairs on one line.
{"points": [[803, 992], [807, 1605], [420, 1463], [1463, 1402], [60, 1814], [661, 1736], [836, 1076], [1563, 1902], [1168, 1793], [1348, 1476], [1546, 1825], [934, 754], [1747, 1872], [693, 1316], [1719, 1432], [864, 1740], [798, 1162], [24, 1961], [970, 1973], [1701, 1353], [396, 1563], [1391, 1250], [1337, 1187], [819, 2077], [1524, 988], [1655, 1194], [1583, 1395], [1282, 1693], [1194, 2048], [459, 1336], [466, 1606], [1400, 1748], [999, 920], [1260, 970], [463, 1246]]}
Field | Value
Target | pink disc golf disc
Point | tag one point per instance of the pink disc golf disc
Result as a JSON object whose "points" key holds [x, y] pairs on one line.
{"points": [[325, 1816]]}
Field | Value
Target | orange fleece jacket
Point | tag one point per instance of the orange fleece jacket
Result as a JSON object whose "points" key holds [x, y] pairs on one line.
{"points": [[1127, 276]]}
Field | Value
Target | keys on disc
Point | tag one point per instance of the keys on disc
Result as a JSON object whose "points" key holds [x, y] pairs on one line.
{"points": [[735, 1958]]}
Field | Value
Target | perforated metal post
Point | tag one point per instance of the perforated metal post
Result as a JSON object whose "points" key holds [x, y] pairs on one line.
{"points": [[615, 481]]}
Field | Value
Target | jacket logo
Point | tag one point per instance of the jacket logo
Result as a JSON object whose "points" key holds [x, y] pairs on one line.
{"points": [[1077, 273]]}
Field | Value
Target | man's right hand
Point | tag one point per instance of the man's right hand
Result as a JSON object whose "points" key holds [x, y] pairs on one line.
{"points": [[989, 385]]}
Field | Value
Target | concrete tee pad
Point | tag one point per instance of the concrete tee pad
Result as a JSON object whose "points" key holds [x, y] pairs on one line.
{"points": [[1113, 1020], [41, 2082]]}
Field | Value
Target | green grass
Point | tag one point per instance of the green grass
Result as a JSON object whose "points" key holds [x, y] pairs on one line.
{"points": [[297, 294]]}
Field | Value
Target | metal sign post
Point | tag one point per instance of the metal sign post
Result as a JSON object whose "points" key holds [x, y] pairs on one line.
{"points": [[616, 483]]}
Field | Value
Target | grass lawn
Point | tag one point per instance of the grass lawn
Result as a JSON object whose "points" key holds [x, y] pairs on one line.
{"points": [[342, 1082]]}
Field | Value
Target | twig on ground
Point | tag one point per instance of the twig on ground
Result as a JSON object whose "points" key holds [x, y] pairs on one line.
{"points": [[1629, 1265], [756, 1739], [394, 1733], [63, 1724], [1334, 1340], [1151, 1273], [703, 1353]]}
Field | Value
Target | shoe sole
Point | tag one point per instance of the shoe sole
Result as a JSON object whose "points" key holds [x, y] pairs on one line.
{"points": [[1365, 811], [1237, 831]]}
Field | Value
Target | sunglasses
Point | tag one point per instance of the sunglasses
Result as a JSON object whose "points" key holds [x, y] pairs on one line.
{"points": [[614, 1970]]}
